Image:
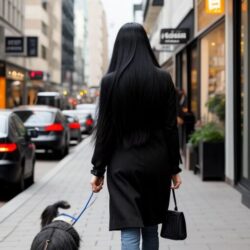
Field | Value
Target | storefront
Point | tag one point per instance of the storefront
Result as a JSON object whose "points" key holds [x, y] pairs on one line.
{"points": [[12, 88], [241, 97], [200, 64]]}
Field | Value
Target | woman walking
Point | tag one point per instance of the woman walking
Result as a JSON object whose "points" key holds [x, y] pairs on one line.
{"points": [[136, 140]]}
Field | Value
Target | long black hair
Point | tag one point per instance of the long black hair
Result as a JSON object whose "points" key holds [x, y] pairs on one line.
{"points": [[132, 103]]}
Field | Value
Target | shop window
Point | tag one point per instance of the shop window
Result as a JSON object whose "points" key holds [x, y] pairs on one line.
{"points": [[194, 82], [44, 52], [208, 11], [184, 72], [212, 71], [244, 74]]}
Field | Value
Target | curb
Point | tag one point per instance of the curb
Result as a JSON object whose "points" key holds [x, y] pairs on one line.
{"points": [[15, 203]]}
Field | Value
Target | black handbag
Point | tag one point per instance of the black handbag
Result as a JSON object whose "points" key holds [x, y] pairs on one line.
{"points": [[174, 225]]}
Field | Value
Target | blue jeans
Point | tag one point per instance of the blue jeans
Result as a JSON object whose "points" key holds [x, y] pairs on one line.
{"points": [[131, 238]]}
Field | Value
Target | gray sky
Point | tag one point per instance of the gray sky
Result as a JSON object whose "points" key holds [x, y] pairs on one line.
{"points": [[118, 13]]}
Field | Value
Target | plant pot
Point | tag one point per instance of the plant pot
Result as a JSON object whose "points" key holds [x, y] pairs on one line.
{"points": [[212, 160]]}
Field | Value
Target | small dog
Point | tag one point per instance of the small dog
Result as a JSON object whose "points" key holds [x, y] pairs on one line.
{"points": [[56, 233]]}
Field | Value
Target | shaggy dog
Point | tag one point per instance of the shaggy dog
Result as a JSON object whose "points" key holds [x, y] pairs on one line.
{"points": [[57, 234]]}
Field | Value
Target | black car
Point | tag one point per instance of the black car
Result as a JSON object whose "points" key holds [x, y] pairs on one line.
{"points": [[17, 152], [74, 126], [52, 127], [85, 119]]}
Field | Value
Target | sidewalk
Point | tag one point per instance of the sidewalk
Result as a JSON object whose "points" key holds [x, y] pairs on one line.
{"points": [[216, 219]]}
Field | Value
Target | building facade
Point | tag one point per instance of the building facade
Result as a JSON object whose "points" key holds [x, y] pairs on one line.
{"points": [[212, 62], [79, 43], [43, 20], [68, 33], [12, 69], [97, 43]]}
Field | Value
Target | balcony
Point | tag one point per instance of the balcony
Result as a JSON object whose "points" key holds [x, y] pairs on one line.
{"points": [[151, 10]]}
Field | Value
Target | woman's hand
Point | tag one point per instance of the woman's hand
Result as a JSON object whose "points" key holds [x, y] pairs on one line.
{"points": [[176, 181], [96, 183]]}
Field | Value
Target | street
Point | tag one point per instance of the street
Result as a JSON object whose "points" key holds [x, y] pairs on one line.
{"points": [[45, 162]]}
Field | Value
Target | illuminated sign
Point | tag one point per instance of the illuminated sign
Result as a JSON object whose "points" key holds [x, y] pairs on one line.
{"points": [[14, 74], [36, 75], [214, 6]]}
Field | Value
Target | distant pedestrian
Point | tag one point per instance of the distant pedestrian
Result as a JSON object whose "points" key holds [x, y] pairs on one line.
{"points": [[136, 139]]}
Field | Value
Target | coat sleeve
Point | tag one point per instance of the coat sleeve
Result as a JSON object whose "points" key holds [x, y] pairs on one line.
{"points": [[104, 143], [171, 129]]}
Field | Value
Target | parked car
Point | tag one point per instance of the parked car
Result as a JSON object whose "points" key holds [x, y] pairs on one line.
{"points": [[85, 119], [53, 131], [17, 152], [74, 125], [53, 99]]}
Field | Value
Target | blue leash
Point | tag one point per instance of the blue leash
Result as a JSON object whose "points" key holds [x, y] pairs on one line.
{"points": [[75, 219]]}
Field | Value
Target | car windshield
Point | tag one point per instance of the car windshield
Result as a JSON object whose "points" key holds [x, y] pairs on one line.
{"points": [[35, 117], [48, 100], [3, 125]]}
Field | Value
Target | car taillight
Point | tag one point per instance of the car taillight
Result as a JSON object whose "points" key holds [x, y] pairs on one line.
{"points": [[8, 147], [54, 127], [89, 122], [74, 125]]}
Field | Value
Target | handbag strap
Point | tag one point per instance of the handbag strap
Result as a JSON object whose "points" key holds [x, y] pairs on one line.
{"points": [[175, 203]]}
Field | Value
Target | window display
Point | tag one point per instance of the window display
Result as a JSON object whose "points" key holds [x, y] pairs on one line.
{"points": [[212, 70]]}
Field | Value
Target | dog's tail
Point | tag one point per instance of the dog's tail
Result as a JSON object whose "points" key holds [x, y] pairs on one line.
{"points": [[51, 212]]}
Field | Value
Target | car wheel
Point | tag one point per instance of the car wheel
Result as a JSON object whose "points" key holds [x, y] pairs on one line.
{"points": [[59, 153], [66, 150], [79, 138]]}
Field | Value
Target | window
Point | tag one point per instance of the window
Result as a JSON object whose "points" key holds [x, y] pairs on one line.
{"points": [[9, 12], [244, 80], [44, 29], [44, 52], [21, 131], [3, 125], [45, 4], [212, 70], [35, 118], [208, 11], [194, 82]]}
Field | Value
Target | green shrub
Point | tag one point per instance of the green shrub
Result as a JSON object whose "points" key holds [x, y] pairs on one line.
{"points": [[216, 105], [210, 132]]}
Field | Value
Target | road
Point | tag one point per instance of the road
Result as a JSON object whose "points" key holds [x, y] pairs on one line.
{"points": [[44, 163]]}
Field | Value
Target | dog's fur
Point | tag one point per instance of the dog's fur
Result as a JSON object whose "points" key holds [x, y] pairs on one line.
{"points": [[58, 234]]}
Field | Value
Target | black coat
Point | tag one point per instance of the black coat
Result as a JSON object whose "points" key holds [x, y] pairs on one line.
{"points": [[139, 178]]}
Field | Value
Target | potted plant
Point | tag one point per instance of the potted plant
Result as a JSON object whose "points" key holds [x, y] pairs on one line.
{"points": [[209, 139]]}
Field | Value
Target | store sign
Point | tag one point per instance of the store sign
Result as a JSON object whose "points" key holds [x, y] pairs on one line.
{"points": [[214, 6], [174, 36], [32, 46], [14, 45], [21, 46], [36, 75]]}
